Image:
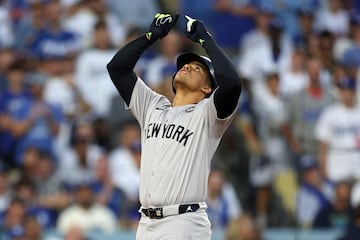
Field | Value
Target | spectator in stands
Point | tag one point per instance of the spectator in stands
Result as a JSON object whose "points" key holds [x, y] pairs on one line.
{"points": [[106, 192], [314, 192], [90, 76], [13, 217], [52, 39], [287, 12], [326, 41], [40, 121], [77, 162], [223, 205], [27, 28], [234, 19], [352, 232], [61, 88], [333, 18], [129, 15], [338, 214], [29, 161], [338, 131], [305, 16], [293, 79], [303, 111], [50, 190], [26, 191], [344, 43], [102, 134], [13, 102], [265, 49], [86, 213], [32, 229]]}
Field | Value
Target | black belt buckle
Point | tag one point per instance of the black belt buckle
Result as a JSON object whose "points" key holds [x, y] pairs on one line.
{"points": [[153, 213], [184, 208]]}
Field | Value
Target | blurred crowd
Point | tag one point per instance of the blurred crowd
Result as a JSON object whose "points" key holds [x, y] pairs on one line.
{"points": [[70, 152]]}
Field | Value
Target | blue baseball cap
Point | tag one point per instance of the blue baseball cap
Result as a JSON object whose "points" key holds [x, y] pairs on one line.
{"points": [[347, 83], [307, 162]]}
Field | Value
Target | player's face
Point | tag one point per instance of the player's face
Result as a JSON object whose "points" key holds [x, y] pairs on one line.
{"points": [[194, 77]]}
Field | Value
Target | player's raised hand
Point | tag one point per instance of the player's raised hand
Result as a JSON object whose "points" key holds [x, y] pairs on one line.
{"points": [[161, 25], [196, 30]]}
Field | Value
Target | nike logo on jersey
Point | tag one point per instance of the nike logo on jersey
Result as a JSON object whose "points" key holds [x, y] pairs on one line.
{"points": [[169, 131]]}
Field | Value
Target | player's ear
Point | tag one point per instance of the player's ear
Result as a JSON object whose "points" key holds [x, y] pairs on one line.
{"points": [[206, 90]]}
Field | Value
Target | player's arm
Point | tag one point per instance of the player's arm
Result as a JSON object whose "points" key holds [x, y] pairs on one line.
{"points": [[227, 94], [121, 66]]}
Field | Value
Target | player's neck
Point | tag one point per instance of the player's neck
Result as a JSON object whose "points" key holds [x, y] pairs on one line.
{"points": [[182, 99]]}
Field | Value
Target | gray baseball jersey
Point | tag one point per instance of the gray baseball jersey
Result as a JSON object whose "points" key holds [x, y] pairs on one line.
{"points": [[177, 146]]}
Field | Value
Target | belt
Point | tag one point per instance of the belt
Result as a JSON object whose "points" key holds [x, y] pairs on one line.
{"points": [[161, 212]]}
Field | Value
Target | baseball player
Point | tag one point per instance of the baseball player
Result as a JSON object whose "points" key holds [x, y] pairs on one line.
{"points": [[180, 137]]}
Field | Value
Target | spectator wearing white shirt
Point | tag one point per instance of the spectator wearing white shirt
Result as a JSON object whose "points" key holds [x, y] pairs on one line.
{"points": [[82, 16], [268, 50], [272, 155], [293, 79], [333, 18], [338, 131], [91, 76], [86, 214], [77, 162]]}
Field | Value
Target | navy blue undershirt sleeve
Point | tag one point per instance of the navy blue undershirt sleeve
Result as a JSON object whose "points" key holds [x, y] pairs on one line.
{"points": [[229, 84], [121, 66]]}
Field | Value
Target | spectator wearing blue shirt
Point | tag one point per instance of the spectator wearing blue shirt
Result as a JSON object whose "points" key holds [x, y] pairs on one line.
{"points": [[26, 191], [40, 121], [105, 190], [13, 103], [223, 205], [338, 214], [11, 220], [53, 39], [233, 19], [314, 192], [27, 27]]}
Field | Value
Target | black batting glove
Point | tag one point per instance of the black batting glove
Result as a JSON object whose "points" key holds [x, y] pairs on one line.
{"points": [[161, 25], [196, 30]]}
